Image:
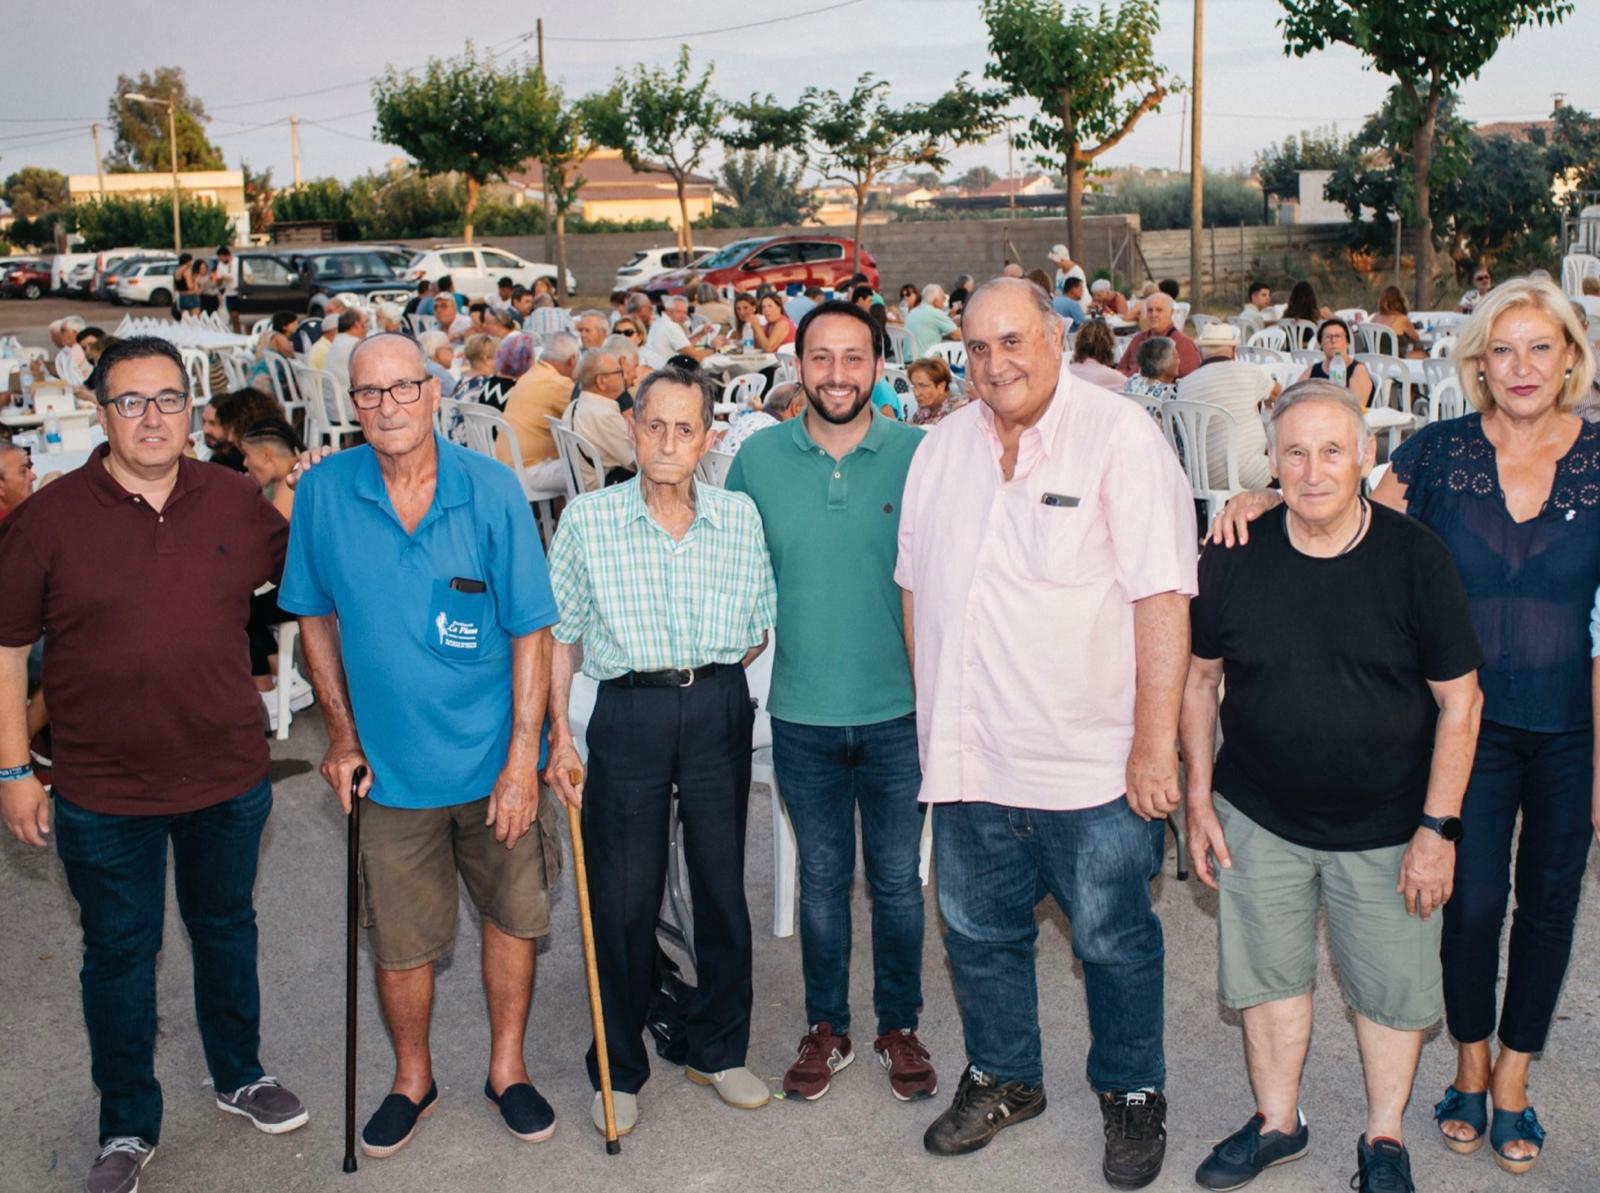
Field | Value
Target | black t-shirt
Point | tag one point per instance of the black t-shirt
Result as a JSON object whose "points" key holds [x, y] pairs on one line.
{"points": [[1327, 717]]}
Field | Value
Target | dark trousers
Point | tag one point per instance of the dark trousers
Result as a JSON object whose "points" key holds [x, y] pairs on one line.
{"points": [[1549, 778], [825, 773], [116, 867], [642, 742], [265, 616], [995, 864]]}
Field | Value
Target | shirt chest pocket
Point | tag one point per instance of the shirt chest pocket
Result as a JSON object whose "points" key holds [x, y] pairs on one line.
{"points": [[462, 626], [1058, 539], [722, 624]]}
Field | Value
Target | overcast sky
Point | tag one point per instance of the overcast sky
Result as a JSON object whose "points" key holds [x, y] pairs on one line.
{"points": [[253, 65]]}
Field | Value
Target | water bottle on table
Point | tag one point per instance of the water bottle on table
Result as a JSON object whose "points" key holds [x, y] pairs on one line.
{"points": [[52, 432]]}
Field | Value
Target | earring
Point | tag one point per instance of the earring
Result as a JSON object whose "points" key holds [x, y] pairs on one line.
{"points": [[1481, 377], [1569, 374]]}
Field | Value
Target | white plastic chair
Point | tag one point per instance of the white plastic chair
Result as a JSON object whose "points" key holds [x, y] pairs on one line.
{"points": [[1180, 314], [1264, 356], [197, 367], [288, 633], [484, 429], [1442, 347], [745, 392], [1275, 339], [1392, 382], [1188, 427], [574, 450], [1200, 322], [952, 352], [236, 367], [1305, 356], [1302, 333], [902, 348], [1376, 339], [329, 415], [280, 373], [1352, 314], [1446, 399], [788, 368], [713, 468], [1152, 407]]}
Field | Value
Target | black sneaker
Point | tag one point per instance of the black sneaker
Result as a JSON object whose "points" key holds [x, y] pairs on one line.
{"points": [[1249, 1152], [1136, 1138], [1382, 1166], [980, 1110]]}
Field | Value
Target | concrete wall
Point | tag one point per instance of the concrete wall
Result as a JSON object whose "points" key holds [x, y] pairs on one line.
{"points": [[1230, 256], [921, 252]]}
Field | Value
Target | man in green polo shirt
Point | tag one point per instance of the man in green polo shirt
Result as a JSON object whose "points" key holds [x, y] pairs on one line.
{"points": [[828, 485]]}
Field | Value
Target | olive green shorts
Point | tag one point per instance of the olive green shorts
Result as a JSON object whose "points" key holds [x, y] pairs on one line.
{"points": [[410, 858], [1387, 960]]}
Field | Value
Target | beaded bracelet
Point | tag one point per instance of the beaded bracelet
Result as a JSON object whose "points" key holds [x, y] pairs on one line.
{"points": [[8, 773]]}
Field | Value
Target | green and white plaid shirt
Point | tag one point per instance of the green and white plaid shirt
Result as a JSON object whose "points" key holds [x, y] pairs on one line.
{"points": [[643, 601]]}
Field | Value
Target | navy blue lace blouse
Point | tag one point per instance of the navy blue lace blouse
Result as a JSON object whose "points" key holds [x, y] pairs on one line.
{"points": [[1531, 585]]}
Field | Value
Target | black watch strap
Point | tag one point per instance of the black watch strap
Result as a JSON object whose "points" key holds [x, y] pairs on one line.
{"points": [[1448, 827]]}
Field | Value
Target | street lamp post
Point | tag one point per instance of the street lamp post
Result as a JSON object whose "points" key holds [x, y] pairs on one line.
{"points": [[172, 143]]}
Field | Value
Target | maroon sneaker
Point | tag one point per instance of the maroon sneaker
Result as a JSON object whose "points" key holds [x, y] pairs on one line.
{"points": [[911, 1075], [822, 1054]]}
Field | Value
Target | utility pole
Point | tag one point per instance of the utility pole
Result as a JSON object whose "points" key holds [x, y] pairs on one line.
{"points": [[544, 169], [99, 162], [172, 143], [1011, 171], [1183, 129], [1197, 199], [294, 147]]}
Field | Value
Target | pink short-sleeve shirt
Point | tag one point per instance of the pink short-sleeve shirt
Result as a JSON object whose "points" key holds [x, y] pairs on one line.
{"points": [[1023, 594]]}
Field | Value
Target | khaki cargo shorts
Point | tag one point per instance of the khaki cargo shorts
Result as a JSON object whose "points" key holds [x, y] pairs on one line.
{"points": [[410, 859], [1387, 959]]}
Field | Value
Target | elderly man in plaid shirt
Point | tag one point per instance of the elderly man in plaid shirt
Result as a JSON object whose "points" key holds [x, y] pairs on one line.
{"points": [[666, 594]]}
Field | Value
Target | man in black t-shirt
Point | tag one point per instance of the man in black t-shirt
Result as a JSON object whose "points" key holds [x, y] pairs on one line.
{"points": [[1348, 734]]}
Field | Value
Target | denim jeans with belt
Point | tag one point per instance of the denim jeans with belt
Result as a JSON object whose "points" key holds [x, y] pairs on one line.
{"points": [[825, 773], [1549, 779], [116, 867], [995, 864]]}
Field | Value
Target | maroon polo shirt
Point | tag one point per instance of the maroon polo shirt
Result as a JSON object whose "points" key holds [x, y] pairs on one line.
{"points": [[147, 665]]}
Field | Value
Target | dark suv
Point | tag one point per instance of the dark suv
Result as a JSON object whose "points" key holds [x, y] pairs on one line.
{"points": [[776, 261], [304, 280]]}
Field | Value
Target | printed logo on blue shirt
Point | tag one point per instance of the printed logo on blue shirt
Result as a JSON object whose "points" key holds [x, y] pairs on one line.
{"points": [[459, 635]]}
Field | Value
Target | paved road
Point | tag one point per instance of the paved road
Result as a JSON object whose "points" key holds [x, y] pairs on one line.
{"points": [[858, 1137]]}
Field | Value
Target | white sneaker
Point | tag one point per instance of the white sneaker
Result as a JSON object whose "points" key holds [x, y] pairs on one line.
{"points": [[299, 688]]}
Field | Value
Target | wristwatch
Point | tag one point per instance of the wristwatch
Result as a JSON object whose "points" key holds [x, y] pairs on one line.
{"points": [[1448, 827]]}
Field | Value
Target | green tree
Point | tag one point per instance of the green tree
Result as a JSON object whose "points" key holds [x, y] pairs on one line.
{"points": [[407, 204], [1572, 151], [857, 138], [324, 199], [466, 116], [1163, 204], [33, 232], [258, 194], [569, 140], [976, 179], [1427, 49], [660, 119], [1092, 72], [766, 191], [33, 191], [1279, 166], [148, 222], [1500, 207], [141, 141]]}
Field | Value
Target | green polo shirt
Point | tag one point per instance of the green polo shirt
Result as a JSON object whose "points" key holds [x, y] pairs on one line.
{"points": [[832, 529]]}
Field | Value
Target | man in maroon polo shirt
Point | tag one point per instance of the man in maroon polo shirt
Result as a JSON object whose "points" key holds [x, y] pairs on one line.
{"points": [[140, 566]]}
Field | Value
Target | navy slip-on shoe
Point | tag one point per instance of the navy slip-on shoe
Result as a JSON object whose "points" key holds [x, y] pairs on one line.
{"points": [[527, 1115], [395, 1122]]}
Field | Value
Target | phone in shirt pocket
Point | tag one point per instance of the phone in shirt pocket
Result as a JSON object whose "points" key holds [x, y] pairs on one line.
{"points": [[1054, 539], [461, 620]]}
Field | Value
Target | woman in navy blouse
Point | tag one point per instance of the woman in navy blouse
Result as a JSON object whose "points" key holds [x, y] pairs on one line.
{"points": [[1514, 491]]}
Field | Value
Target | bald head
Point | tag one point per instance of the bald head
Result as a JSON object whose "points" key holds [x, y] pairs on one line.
{"points": [[1161, 310], [386, 358]]}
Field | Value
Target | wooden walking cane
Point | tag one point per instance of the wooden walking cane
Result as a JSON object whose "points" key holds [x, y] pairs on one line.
{"points": [[580, 873], [352, 910]]}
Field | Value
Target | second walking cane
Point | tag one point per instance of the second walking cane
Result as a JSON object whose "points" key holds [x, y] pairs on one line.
{"points": [[580, 876], [352, 912]]}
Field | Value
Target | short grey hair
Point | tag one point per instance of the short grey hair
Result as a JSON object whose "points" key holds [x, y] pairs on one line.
{"points": [[75, 322], [620, 346], [591, 313], [674, 300], [932, 291], [389, 314], [638, 301], [1314, 389], [1155, 356], [1037, 297], [589, 364], [705, 292], [781, 397], [431, 341], [675, 375], [560, 346]]}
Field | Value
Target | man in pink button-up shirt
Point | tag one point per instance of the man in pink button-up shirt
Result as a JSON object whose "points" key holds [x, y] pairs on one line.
{"points": [[1047, 554]]}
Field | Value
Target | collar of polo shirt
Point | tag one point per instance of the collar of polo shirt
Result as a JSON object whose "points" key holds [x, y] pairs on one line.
{"points": [[450, 488], [877, 432], [192, 474]]}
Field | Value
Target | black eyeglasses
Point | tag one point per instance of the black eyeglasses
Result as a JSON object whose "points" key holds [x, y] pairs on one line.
{"points": [[1482, 277], [168, 401], [629, 332], [370, 397]]}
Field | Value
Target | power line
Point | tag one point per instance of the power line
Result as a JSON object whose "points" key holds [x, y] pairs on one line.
{"points": [[694, 33]]}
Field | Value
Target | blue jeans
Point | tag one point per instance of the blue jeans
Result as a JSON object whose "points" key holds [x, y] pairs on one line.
{"points": [[825, 772], [995, 864], [1549, 778], [116, 867]]}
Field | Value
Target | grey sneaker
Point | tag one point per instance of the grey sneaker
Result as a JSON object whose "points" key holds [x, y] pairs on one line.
{"points": [[267, 1104], [116, 1168]]}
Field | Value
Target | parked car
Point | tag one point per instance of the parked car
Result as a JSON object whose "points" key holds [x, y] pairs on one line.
{"points": [[62, 267], [80, 278], [811, 260], [304, 280], [28, 277], [649, 263], [106, 262], [476, 269], [146, 280]]}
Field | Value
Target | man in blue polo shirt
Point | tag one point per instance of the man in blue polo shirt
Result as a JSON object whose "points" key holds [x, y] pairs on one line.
{"points": [[424, 608], [844, 734]]}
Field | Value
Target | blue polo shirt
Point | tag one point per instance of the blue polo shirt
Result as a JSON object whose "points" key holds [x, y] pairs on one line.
{"points": [[428, 665]]}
